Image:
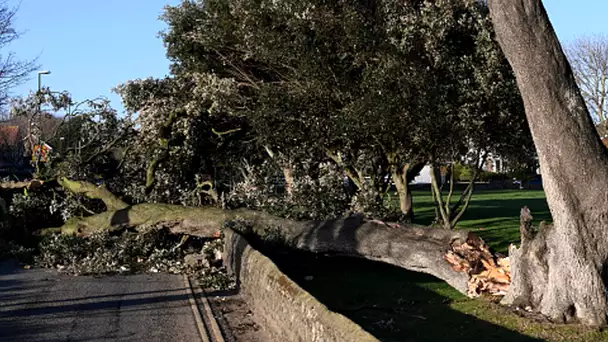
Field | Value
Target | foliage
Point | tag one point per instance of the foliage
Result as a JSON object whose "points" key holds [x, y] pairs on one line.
{"points": [[152, 250], [372, 88], [12, 250], [372, 85], [462, 172], [319, 197], [187, 134], [30, 211]]}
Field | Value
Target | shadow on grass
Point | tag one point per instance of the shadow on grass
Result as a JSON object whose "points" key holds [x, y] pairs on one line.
{"points": [[389, 302], [507, 207]]}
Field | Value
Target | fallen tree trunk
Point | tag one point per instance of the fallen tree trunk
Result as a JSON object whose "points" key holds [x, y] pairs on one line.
{"points": [[457, 257]]}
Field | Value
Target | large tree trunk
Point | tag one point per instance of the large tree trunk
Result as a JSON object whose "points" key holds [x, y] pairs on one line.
{"points": [[457, 257], [560, 271]]}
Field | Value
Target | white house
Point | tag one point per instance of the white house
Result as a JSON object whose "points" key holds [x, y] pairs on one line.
{"points": [[491, 164], [424, 177]]}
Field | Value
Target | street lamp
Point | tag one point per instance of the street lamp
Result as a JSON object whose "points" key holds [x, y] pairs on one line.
{"points": [[38, 133], [40, 73]]}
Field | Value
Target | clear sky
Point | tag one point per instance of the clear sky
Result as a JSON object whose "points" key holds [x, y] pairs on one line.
{"points": [[91, 46]]}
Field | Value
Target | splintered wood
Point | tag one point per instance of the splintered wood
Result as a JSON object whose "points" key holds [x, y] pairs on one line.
{"points": [[488, 273]]}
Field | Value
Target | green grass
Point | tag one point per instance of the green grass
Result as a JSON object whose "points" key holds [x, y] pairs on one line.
{"points": [[397, 305], [493, 215]]}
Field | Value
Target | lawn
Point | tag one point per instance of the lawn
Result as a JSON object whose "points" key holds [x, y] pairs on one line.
{"points": [[493, 215], [397, 305]]}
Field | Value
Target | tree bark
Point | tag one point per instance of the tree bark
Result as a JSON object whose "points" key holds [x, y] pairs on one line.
{"points": [[561, 271], [399, 176], [92, 191], [457, 257], [403, 176]]}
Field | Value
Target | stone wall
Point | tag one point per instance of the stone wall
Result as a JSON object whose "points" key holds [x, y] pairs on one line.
{"points": [[286, 311]]}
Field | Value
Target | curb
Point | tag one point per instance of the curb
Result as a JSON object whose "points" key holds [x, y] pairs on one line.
{"points": [[206, 323]]}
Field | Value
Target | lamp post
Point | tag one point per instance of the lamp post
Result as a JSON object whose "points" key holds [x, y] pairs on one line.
{"points": [[38, 133], [40, 73]]}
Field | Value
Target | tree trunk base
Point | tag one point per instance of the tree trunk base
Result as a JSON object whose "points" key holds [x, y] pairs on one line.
{"points": [[554, 279]]}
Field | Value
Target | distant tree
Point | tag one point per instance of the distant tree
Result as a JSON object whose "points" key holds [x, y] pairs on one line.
{"points": [[13, 71], [91, 132], [588, 57]]}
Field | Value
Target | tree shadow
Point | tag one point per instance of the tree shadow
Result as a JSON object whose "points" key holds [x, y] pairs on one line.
{"points": [[485, 209], [391, 303], [120, 217]]}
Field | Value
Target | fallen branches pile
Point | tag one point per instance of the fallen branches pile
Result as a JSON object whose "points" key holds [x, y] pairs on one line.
{"points": [[150, 250]]}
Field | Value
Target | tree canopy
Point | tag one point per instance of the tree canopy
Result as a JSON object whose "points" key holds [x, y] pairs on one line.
{"points": [[307, 93], [376, 87]]}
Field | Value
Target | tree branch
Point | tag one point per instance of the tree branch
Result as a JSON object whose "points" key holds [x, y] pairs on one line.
{"points": [[352, 174], [219, 134], [92, 191], [163, 142]]}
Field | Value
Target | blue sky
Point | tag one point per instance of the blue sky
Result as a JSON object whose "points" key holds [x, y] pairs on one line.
{"points": [[92, 46]]}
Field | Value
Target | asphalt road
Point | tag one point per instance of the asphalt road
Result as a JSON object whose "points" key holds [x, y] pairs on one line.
{"points": [[43, 305]]}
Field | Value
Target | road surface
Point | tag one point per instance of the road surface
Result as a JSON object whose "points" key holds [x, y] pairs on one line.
{"points": [[43, 305]]}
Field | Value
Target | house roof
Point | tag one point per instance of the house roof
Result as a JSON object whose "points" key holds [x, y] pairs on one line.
{"points": [[9, 135]]}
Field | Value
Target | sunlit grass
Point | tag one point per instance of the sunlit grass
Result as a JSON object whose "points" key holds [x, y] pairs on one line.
{"points": [[493, 215]]}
